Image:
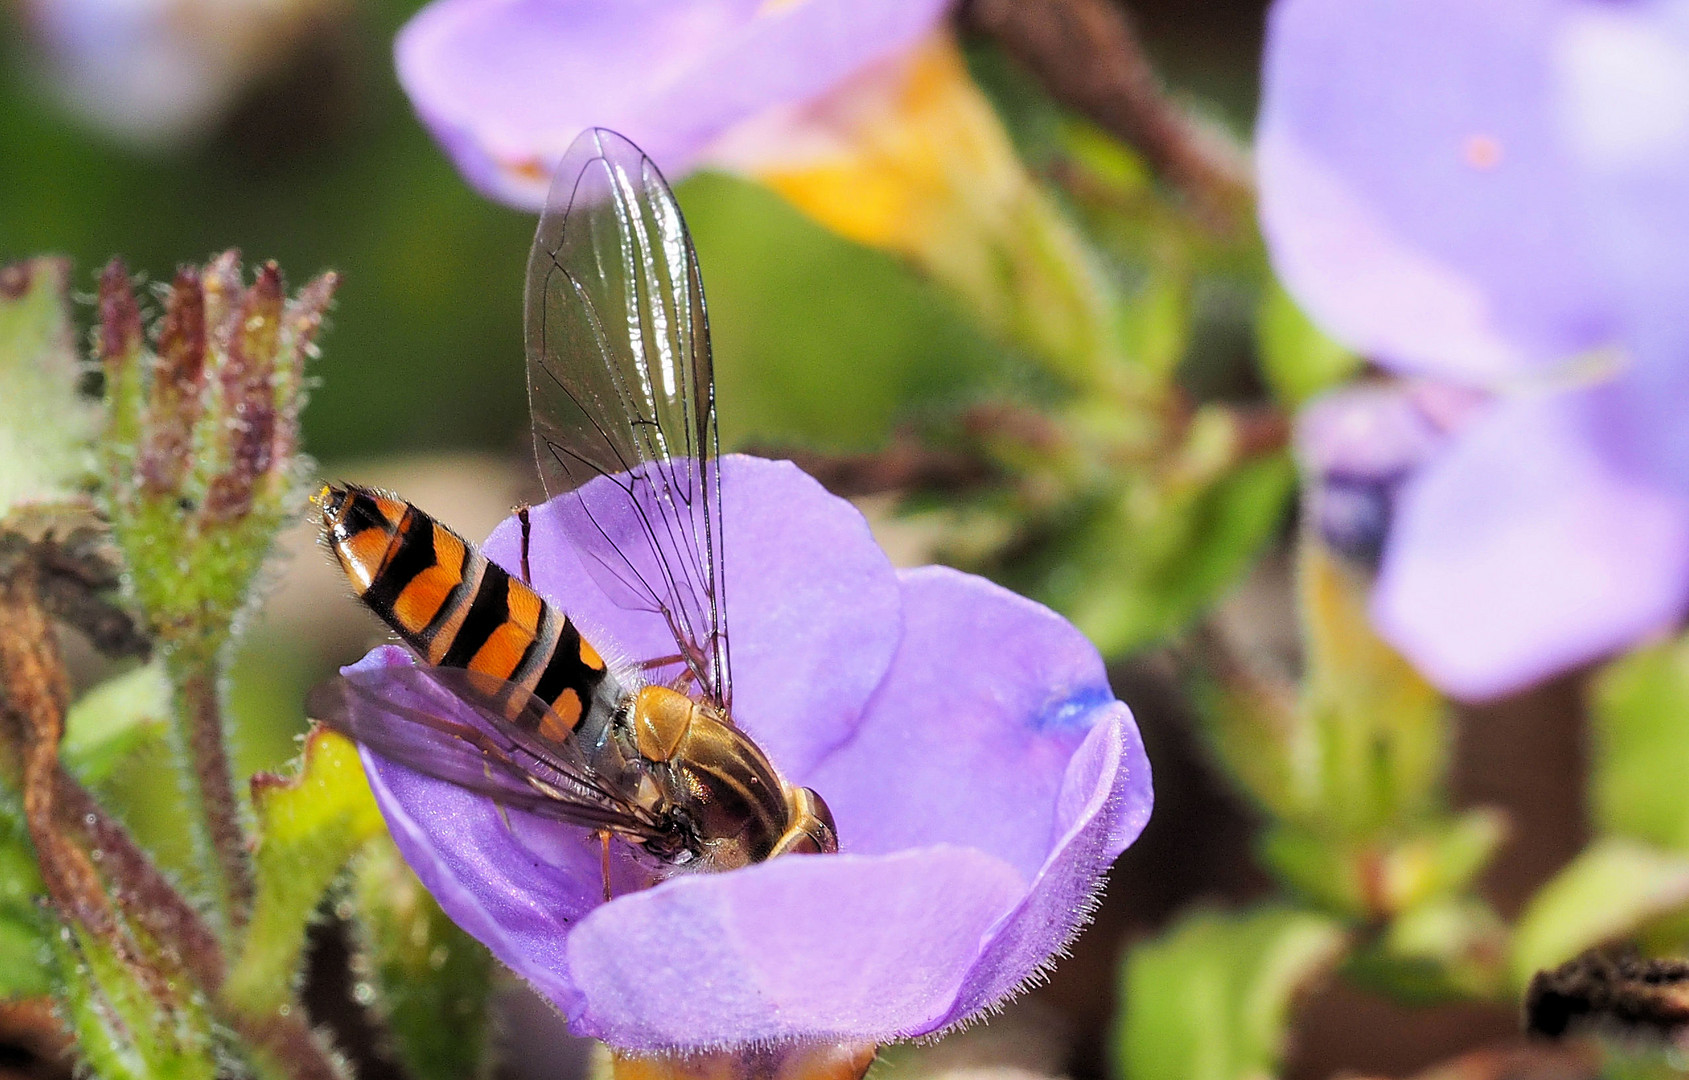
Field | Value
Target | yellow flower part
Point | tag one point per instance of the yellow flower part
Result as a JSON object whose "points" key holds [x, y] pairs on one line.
{"points": [[910, 157]]}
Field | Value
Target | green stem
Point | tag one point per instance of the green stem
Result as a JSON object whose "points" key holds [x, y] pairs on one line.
{"points": [[202, 755]]}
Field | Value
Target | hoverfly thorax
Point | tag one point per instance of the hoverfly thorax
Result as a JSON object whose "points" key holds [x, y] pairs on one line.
{"points": [[509, 699], [726, 783]]}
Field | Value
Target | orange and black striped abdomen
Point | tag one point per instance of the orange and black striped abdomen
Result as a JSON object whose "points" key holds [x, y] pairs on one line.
{"points": [[456, 608]]}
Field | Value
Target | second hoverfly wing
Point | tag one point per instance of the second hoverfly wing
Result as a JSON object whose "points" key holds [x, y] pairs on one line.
{"points": [[623, 395], [448, 724]]}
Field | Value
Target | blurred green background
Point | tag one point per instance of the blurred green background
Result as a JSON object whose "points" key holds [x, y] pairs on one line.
{"points": [[324, 166]]}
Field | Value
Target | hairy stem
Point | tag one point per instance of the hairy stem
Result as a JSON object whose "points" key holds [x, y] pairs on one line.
{"points": [[219, 836], [137, 884], [66, 824]]}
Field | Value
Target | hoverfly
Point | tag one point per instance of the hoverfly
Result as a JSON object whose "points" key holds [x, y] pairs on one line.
{"points": [[509, 700]]}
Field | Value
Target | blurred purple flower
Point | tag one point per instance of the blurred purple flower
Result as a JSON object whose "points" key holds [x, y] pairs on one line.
{"points": [[1496, 195], [982, 774], [161, 72], [506, 85], [1358, 445]]}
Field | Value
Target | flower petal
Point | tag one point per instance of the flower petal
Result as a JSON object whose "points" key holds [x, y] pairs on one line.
{"points": [[1625, 107], [900, 947], [1416, 190], [1104, 804], [1526, 549], [516, 883], [813, 605], [804, 947], [506, 85], [970, 737]]}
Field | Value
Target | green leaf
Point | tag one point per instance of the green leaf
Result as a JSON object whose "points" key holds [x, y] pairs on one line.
{"points": [[1639, 728], [1356, 756], [1452, 949], [792, 306], [1211, 1000], [131, 1023], [308, 827], [1297, 359], [1149, 561], [25, 929], [1611, 891], [1377, 732], [45, 428], [1156, 320], [1381, 878], [113, 719], [25, 970], [432, 980]]}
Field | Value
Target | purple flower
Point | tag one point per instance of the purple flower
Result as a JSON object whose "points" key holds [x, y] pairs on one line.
{"points": [[981, 772], [506, 85], [160, 72], [1496, 195], [1358, 445]]}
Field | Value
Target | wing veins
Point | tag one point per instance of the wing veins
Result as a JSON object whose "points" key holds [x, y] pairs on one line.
{"points": [[615, 231]]}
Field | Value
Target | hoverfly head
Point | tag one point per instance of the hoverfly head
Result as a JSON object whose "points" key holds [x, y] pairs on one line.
{"points": [[678, 842]]}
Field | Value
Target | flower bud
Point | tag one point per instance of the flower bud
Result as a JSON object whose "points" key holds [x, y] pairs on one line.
{"points": [[1358, 446], [177, 383], [202, 436]]}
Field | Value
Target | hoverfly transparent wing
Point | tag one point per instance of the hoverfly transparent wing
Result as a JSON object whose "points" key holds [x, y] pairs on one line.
{"points": [[481, 734], [623, 395]]}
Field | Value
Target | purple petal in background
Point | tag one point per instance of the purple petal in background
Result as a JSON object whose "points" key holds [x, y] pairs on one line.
{"points": [[1416, 191], [1522, 551], [506, 85], [1498, 193], [1624, 107], [1356, 447]]}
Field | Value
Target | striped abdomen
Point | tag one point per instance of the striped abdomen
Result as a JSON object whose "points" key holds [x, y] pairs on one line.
{"points": [[456, 608]]}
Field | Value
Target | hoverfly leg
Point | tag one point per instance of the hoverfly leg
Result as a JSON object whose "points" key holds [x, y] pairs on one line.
{"points": [[503, 816], [679, 682], [604, 863], [527, 529]]}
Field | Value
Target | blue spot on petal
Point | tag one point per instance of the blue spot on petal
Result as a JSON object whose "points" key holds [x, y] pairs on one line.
{"points": [[1075, 711]]}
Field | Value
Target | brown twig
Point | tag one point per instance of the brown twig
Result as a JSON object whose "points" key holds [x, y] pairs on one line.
{"points": [[904, 466], [1567, 1061], [37, 692], [77, 576], [1262, 429], [1088, 55], [1021, 425]]}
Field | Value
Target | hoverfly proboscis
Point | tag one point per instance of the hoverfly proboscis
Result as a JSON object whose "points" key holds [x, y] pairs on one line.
{"points": [[507, 698]]}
